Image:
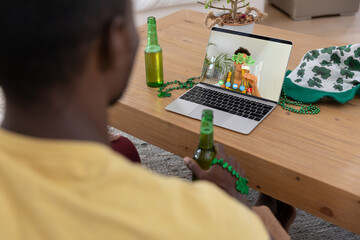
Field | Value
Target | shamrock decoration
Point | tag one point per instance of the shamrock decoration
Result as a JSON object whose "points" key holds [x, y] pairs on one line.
{"points": [[308, 57], [338, 87], [303, 65], [340, 80], [347, 73], [325, 63], [301, 73], [328, 50], [355, 83], [315, 53], [357, 52], [298, 80], [323, 72], [315, 82], [343, 49], [352, 64], [239, 58], [335, 58]]}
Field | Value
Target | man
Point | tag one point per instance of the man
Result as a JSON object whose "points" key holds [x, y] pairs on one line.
{"points": [[62, 63], [239, 78]]}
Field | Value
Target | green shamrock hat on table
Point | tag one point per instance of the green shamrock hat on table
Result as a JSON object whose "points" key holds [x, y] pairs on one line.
{"points": [[328, 72]]}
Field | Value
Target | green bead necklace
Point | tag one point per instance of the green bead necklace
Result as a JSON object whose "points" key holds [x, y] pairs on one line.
{"points": [[304, 108], [182, 85], [241, 182]]}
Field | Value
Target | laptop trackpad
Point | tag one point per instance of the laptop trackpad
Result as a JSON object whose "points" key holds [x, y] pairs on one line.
{"points": [[219, 116]]}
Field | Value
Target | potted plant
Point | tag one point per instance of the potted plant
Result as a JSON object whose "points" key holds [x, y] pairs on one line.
{"points": [[238, 15], [219, 65]]}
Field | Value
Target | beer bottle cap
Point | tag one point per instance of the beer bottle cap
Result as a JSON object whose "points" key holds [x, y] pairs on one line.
{"points": [[151, 19], [208, 114]]}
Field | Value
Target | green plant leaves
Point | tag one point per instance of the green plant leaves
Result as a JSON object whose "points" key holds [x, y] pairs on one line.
{"points": [[328, 50], [352, 64], [347, 73], [222, 63], [298, 80], [323, 72], [303, 65], [315, 82]]}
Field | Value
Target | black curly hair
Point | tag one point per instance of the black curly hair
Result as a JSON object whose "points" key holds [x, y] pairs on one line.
{"points": [[242, 50], [44, 43]]}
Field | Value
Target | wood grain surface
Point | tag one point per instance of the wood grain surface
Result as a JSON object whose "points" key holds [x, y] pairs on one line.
{"points": [[309, 161]]}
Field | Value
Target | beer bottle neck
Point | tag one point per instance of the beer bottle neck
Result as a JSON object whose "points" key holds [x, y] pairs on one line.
{"points": [[152, 35], [206, 139]]}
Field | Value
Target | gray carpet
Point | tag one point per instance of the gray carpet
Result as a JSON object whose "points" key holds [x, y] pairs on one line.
{"points": [[305, 226]]}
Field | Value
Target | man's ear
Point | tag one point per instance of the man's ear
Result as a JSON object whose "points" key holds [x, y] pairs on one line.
{"points": [[113, 43]]}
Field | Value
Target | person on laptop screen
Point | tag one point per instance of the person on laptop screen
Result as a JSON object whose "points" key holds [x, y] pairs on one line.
{"points": [[243, 80], [239, 78]]}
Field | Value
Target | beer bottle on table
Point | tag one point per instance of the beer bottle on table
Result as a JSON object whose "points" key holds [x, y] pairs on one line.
{"points": [[153, 56], [205, 153]]}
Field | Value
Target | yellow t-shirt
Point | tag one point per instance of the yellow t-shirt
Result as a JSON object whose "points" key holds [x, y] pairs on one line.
{"points": [[54, 189]]}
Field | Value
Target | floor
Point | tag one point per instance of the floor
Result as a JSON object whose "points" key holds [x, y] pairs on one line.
{"points": [[340, 28]]}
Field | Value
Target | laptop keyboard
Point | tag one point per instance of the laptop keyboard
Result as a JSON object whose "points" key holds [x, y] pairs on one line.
{"points": [[227, 103]]}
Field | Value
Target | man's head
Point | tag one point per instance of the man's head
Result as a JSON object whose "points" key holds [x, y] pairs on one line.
{"points": [[49, 45], [245, 53]]}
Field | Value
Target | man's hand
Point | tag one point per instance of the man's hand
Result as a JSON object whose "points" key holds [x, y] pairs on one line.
{"points": [[218, 175]]}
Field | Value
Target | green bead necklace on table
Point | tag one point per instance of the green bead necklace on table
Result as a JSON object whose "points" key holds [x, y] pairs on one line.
{"points": [[186, 85], [304, 108], [284, 102]]}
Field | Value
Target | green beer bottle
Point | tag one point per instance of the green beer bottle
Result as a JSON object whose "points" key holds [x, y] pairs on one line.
{"points": [[153, 57], [206, 151]]}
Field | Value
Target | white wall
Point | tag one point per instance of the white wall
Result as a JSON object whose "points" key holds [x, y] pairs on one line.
{"points": [[274, 57], [161, 8]]}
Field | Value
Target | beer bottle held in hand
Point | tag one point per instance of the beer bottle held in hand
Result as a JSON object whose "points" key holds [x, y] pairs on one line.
{"points": [[153, 56], [205, 153]]}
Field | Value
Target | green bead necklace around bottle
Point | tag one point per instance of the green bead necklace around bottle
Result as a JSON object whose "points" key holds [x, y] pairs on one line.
{"points": [[241, 182]]}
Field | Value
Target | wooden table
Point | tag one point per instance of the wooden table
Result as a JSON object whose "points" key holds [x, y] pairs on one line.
{"points": [[309, 161]]}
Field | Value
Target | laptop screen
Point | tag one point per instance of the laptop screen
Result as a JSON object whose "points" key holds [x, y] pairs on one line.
{"points": [[246, 63]]}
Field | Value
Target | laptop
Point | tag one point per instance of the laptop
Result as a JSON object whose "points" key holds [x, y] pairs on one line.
{"points": [[241, 80]]}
